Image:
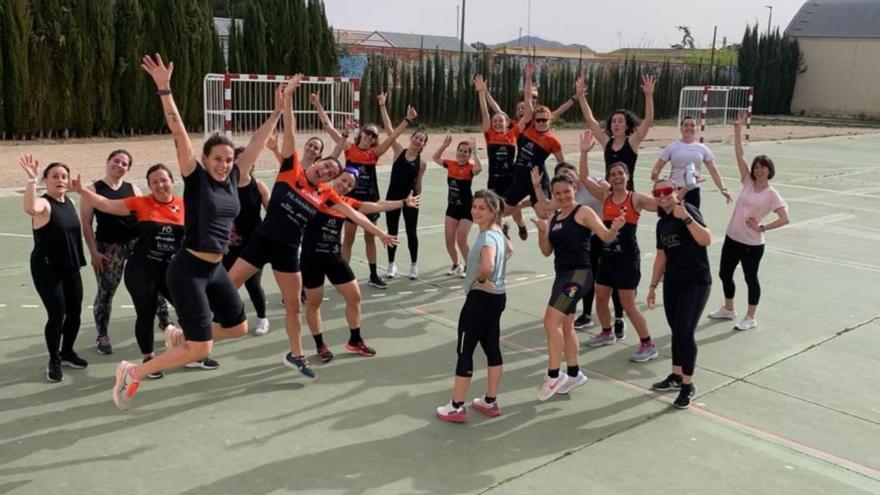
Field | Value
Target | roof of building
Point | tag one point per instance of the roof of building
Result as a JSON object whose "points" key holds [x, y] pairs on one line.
{"points": [[222, 25], [541, 43], [836, 19], [401, 40]]}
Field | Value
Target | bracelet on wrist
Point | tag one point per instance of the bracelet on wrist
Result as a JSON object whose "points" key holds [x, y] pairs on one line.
{"points": [[163, 92], [32, 180], [408, 121], [653, 286]]}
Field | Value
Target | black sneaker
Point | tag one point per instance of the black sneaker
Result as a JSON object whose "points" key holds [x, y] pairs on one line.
{"points": [[53, 371], [102, 345], [671, 382], [300, 364], [523, 232], [205, 364], [377, 282], [619, 328], [71, 360], [683, 401], [583, 321], [154, 376]]}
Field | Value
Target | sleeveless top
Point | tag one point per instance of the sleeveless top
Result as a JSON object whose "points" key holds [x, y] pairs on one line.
{"points": [[248, 218], [114, 229], [403, 176], [626, 242], [626, 154], [570, 241], [58, 244]]}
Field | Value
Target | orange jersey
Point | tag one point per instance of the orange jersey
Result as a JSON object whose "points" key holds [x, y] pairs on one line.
{"points": [[160, 227]]}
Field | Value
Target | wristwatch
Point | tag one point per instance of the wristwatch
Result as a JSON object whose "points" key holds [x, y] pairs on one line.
{"points": [[762, 229], [688, 221]]}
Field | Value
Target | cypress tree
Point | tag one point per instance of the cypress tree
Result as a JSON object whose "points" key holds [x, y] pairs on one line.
{"points": [[254, 46], [15, 24]]}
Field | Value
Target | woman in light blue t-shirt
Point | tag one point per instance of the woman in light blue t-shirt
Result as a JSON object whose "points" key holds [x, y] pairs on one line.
{"points": [[480, 319]]}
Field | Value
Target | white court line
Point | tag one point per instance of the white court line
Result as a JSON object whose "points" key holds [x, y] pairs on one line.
{"points": [[520, 279], [824, 259], [2, 305], [326, 299], [10, 234], [541, 275], [405, 292], [30, 306], [834, 217], [431, 290], [379, 295], [127, 306]]}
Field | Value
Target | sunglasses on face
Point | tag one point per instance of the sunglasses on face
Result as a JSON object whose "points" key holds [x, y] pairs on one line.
{"points": [[662, 192], [370, 134], [542, 121]]}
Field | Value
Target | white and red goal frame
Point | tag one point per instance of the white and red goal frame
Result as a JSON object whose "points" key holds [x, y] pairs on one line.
{"points": [[716, 105], [239, 103]]}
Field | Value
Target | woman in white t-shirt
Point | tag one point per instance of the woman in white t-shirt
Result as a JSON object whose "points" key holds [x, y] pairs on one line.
{"points": [[744, 242], [684, 151]]}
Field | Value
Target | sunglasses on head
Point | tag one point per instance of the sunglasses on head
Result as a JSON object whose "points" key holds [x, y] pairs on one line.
{"points": [[369, 133], [542, 121], [662, 192]]}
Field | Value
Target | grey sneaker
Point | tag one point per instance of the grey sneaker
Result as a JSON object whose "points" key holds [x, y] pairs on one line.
{"points": [[300, 364], [102, 345], [644, 353], [605, 337]]}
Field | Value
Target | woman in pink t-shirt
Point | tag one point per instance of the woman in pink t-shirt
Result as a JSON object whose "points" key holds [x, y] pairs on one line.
{"points": [[744, 242]]}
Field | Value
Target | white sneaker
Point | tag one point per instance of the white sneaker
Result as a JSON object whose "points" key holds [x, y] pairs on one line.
{"points": [[747, 323], [551, 386], [723, 313], [462, 271], [167, 328], [572, 383], [392, 270], [174, 337], [453, 269], [262, 327], [413, 272]]}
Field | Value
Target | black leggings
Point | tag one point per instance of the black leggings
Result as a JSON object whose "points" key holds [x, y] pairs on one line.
{"points": [[410, 220], [62, 297], [479, 323], [145, 282], [693, 197], [254, 285], [595, 251], [733, 253], [683, 305]]}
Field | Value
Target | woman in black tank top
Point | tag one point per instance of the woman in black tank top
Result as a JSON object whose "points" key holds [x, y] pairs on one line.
{"points": [[55, 261], [567, 236], [623, 133]]}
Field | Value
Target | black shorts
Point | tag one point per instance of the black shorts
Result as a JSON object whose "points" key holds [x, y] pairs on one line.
{"points": [[569, 287], [261, 250], [499, 184], [336, 269], [521, 186], [459, 212], [619, 271], [202, 294]]}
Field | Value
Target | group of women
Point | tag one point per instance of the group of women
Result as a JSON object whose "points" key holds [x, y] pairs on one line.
{"points": [[197, 250]]}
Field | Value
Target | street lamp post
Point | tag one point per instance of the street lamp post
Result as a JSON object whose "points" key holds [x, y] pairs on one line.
{"points": [[769, 18]]}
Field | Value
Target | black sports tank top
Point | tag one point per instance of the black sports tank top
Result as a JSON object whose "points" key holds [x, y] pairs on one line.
{"points": [[112, 228], [58, 244], [249, 216], [403, 176], [570, 241], [626, 154]]}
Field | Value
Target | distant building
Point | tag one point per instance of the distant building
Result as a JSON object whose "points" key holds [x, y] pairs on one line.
{"points": [[840, 41], [223, 25], [532, 46], [398, 45]]}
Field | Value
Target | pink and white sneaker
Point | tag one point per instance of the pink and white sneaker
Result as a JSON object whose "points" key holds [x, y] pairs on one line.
{"points": [[452, 414], [551, 386], [484, 407]]}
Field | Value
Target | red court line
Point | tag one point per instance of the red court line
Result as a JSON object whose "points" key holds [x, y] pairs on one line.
{"points": [[849, 464]]}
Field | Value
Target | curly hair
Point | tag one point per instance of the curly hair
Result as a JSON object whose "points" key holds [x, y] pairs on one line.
{"points": [[631, 121]]}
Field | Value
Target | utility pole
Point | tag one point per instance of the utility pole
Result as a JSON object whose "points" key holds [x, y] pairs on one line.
{"points": [[461, 42], [769, 18], [712, 59], [529, 21]]}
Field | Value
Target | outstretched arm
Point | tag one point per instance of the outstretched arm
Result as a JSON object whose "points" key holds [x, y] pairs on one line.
{"points": [[472, 142], [543, 239], [593, 187], [288, 146], [33, 205], [641, 133], [368, 226], [248, 158], [388, 205], [480, 86], [407, 120], [493, 104], [561, 109], [112, 206], [580, 89], [315, 100], [386, 121], [161, 75], [588, 218], [438, 155], [716, 178], [741, 162], [528, 106]]}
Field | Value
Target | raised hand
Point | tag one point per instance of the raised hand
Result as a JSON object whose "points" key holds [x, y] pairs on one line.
{"points": [[30, 165], [580, 86], [472, 143], [740, 120], [648, 82], [388, 240], [680, 212], [76, 184], [447, 141], [586, 141], [293, 84], [314, 99], [530, 70], [479, 83], [350, 125], [157, 69], [281, 96], [536, 176], [381, 98], [411, 113], [541, 224], [413, 201], [272, 143]]}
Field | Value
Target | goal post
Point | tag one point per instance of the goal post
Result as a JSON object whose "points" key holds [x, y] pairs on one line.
{"points": [[240, 103], [716, 105]]}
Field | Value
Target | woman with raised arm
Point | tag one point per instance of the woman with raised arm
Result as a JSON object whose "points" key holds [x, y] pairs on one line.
{"points": [[623, 133], [686, 155], [535, 143], [500, 138], [322, 258], [744, 240], [160, 222], [55, 261], [682, 264], [363, 155], [567, 237], [407, 172], [480, 318], [208, 306], [297, 196], [460, 174]]}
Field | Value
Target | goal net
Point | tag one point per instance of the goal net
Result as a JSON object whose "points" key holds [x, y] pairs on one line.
{"points": [[240, 103], [716, 105]]}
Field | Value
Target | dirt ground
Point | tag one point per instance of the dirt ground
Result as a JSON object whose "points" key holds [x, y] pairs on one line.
{"points": [[87, 156]]}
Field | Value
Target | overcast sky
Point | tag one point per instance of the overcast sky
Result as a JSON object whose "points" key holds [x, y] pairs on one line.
{"points": [[602, 25]]}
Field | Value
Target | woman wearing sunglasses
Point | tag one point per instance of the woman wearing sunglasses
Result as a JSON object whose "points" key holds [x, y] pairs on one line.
{"points": [[687, 153], [744, 242], [623, 133], [363, 155], [683, 265]]}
